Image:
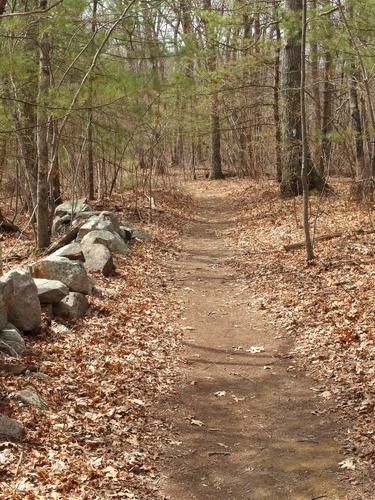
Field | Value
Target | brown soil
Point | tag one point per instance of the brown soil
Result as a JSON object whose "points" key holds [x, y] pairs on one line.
{"points": [[263, 435]]}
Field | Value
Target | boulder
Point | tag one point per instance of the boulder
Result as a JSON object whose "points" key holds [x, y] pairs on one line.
{"points": [[10, 430], [73, 306], [3, 309], [95, 225], [98, 258], [11, 341], [50, 291], [31, 397], [112, 241], [70, 272], [21, 299], [72, 207], [73, 251], [112, 218]]}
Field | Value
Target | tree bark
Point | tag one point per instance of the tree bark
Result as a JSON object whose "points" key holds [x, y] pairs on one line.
{"points": [[291, 183], [276, 104], [215, 163], [90, 145], [327, 125], [43, 221]]}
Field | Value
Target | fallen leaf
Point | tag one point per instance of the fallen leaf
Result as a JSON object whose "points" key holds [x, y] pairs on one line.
{"points": [[193, 421]]}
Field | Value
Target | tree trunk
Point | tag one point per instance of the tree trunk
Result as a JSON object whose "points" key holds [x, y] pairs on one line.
{"points": [[90, 146], [291, 184], [305, 186], [215, 163], [215, 167], [276, 105], [327, 125], [43, 233]]}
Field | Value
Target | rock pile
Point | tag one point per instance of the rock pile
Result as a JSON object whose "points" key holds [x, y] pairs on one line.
{"points": [[59, 283]]}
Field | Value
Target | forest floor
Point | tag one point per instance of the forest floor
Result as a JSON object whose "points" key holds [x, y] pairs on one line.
{"points": [[218, 366], [249, 421]]}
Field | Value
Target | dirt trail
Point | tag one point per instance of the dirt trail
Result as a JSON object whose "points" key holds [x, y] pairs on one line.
{"points": [[260, 437]]}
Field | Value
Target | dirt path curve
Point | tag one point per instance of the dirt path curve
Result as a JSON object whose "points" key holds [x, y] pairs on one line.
{"points": [[246, 426]]}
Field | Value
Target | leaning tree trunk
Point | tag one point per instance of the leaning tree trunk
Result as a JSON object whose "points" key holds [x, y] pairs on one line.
{"points": [[291, 184]]}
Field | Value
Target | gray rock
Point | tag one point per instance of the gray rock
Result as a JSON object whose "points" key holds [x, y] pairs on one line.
{"points": [[72, 207], [81, 216], [60, 223], [71, 273], [21, 299], [3, 309], [125, 232], [73, 251], [50, 291], [112, 241], [112, 218], [10, 430], [140, 234], [104, 292], [137, 233], [73, 306], [95, 225], [47, 309], [59, 328], [11, 341], [31, 397], [98, 258]]}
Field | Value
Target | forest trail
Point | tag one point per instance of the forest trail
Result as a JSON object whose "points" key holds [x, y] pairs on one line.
{"points": [[246, 427]]}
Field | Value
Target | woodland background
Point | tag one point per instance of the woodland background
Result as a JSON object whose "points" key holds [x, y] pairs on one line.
{"points": [[100, 97]]}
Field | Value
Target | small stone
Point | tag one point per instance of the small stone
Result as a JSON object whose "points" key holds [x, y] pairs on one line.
{"points": [[50, 291], [137, 233], [73, 306], [59, 328], [11, 341], [126, 233], [31, 397], [104, 292], [140, 234], [10, 430]]}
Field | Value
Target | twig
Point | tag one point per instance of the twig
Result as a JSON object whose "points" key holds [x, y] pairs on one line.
{"points": [[18, 464], [32, 12]]}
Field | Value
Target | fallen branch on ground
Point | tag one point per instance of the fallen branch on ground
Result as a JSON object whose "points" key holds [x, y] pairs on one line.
{"points": [[66, 239], [325, 237]]}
